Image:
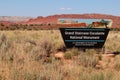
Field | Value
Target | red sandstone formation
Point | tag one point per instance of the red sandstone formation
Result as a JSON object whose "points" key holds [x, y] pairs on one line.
{"points": [[54, 18], [5, 23]]}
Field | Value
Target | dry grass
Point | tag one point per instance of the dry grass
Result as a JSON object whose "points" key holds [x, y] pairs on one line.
{"points": [[113, 41], [23, 54]]}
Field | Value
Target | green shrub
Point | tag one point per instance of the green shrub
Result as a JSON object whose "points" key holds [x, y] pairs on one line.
{"points": [[74, 51], [68, 55], [88, 60], [99, 76]]}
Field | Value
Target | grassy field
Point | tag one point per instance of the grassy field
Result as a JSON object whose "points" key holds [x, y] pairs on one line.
{"points": [[23, 57]]}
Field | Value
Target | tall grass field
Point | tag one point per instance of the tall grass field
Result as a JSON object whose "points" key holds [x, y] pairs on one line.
{"points": [[29, 55]]}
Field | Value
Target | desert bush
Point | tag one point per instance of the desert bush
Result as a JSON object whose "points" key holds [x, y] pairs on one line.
{"points": [[47, 46], [87, 60], [5, 43], [75, 51], [44, 47], [39, 50], [115, 29], [99, 76], [70, 53], [1, 24]]}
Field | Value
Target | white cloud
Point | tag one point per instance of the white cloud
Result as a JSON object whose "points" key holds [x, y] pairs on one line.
{"points": [[67, 9], [62, 9]]}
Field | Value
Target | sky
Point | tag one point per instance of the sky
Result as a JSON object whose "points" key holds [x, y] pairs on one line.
{"points": [[34, 8]]}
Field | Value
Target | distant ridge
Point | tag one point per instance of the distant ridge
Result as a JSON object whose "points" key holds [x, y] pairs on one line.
{"points": [[14, 18], [53, 18]]}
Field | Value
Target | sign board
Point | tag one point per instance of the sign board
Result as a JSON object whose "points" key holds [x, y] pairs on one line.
{"points": [[86, 37]]}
